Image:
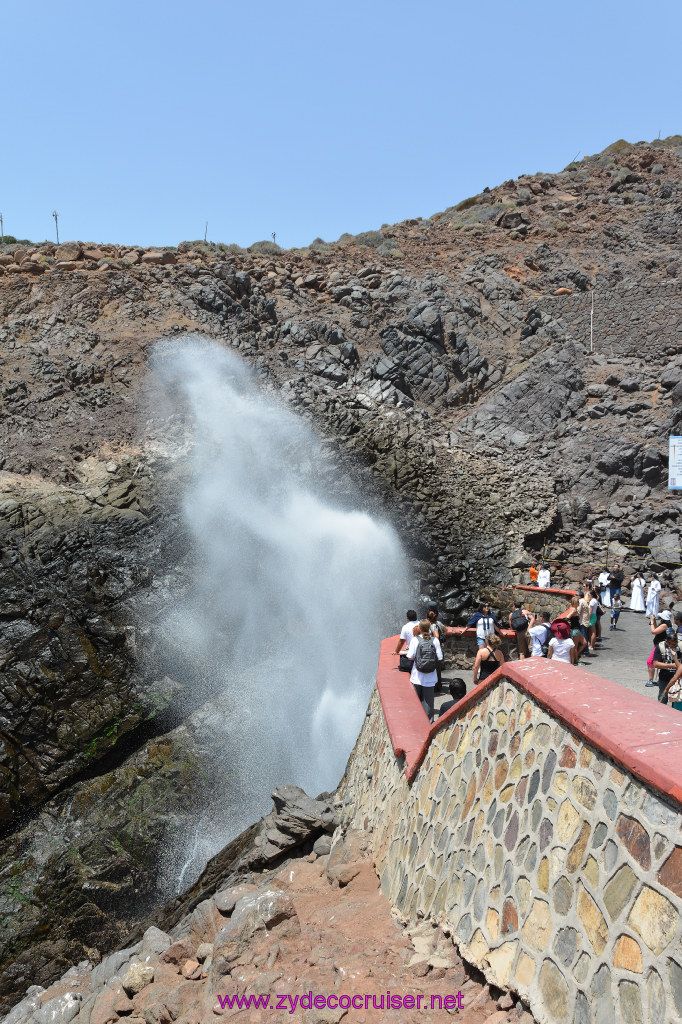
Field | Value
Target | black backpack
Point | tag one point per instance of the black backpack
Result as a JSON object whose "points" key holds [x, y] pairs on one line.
{"points": [[425, 659], [548, 637], [519, 622]]}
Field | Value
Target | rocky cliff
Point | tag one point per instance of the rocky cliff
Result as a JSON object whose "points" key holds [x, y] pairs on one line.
{"points": [[499, 377]]}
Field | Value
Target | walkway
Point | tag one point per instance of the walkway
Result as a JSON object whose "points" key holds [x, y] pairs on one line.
{"points": [[621, 656]]}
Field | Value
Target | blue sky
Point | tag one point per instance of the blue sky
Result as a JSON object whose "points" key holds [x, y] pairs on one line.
{"points": [[138, 121]]}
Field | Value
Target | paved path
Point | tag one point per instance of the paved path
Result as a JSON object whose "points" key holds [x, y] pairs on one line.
{"points": [[621, 656]]}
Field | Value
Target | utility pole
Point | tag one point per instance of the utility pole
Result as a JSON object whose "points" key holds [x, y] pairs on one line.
{"points": [[2, 230], [56, 223], [205, 231]]}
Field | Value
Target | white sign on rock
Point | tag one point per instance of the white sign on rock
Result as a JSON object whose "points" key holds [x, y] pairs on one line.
{"points": [[675, 463]]}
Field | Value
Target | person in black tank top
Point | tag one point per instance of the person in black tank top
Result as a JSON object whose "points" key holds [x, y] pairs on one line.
{"points": [[488, 659]]}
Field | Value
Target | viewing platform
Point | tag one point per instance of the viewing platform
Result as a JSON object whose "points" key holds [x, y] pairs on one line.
{"points": [[539, 821]]}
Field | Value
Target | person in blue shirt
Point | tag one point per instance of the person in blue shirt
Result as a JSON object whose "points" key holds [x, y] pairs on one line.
{"points": [[484, 622]]}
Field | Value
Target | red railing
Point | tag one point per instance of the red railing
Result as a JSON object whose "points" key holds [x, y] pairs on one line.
{"points": [[640, 734]]}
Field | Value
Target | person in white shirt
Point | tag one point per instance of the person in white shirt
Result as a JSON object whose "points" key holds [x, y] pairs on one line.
{"points": [[539, 634], [652, 595], [561, 647], [406, 636], [604, 591], [594, 606], [637, 586], [424, 650], [543, 578]]}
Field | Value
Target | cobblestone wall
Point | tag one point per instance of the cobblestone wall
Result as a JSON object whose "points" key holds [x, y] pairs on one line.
{"points": [[557, 871]]}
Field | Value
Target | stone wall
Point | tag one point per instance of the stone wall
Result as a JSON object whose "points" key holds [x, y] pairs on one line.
{"points": [[536, 600], [555, 864]]}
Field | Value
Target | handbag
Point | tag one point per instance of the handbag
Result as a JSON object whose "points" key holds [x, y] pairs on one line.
{"points": [[405, 664]]}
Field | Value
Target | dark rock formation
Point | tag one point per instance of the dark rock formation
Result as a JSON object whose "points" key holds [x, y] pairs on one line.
{"points": [[501, 377]]}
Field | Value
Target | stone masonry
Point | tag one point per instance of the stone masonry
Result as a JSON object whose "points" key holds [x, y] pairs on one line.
{"points": [[556, 870]]}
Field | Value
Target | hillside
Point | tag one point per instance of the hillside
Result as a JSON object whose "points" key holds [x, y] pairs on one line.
{"points": [[451, 368]]}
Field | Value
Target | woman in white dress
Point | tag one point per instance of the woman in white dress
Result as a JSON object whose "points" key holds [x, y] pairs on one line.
{"points": [[652, 596], [637, 585], [603, 584]]}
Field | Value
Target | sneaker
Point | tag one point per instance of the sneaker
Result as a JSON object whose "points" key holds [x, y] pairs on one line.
{"points": [[650, 682]]}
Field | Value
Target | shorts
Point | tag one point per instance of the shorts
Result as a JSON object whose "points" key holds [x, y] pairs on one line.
{"points": [[593, 619]]}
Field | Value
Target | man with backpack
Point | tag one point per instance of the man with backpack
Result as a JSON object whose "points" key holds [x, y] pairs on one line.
{"points": [[425, 650], [520, 619], [541, 634]]}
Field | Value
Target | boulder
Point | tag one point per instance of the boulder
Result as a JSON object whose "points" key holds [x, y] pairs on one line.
{"points": [[177, 954], [111, 965], [111, 1003], [299, 815], [68, 252], [161, 257], [642, 534], [59, 1010], [665, 548], [347, 855], [255, 912], [227, 900], [136, 977]]}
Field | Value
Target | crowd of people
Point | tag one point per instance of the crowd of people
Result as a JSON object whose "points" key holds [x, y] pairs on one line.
{"points": [[421, 654], [571, 637], [666, 656]]}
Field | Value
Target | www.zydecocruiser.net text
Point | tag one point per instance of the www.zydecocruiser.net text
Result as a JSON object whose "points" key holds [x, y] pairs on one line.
{"points": [[385, 1001]]}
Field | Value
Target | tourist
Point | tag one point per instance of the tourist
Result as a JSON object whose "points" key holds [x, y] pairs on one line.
{"points": [[668, 661], [438, 630], [425, 652], [533, 575], [603, 586], [677, 624], [637, 585], [594, 607], [561, 647], [673, 691], [659, 625], [652, 595], [458, 690], [616, 608], [485, 622], [573, 619], [584, 615], [519, 620], [541, 634], [488, 659], [406, 635], [543, 577], [616, 578]]}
